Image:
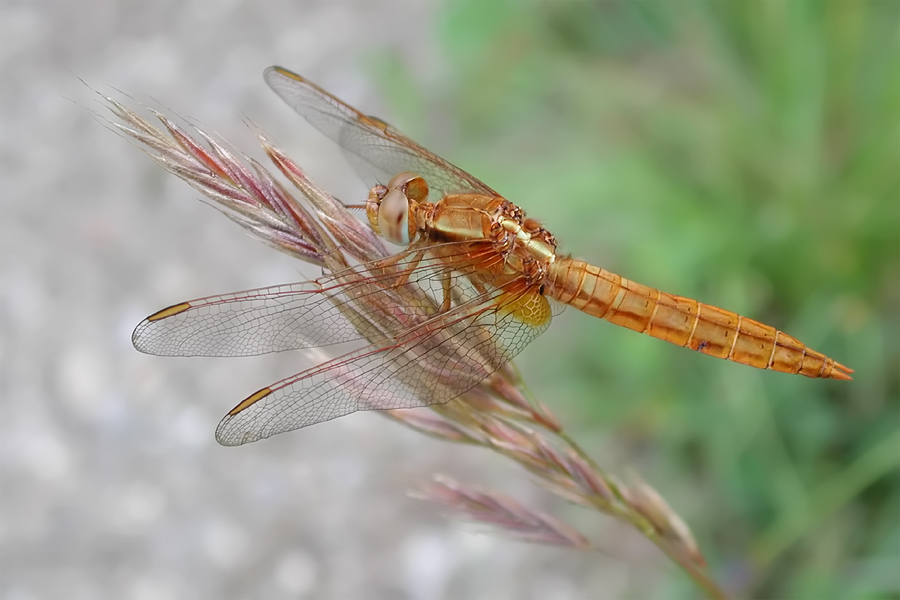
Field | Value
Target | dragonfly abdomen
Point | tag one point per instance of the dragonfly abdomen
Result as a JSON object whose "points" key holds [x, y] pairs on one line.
{"points": [[685, 322]]}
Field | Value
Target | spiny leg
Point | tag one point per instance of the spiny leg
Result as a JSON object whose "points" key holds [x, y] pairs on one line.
{"points": [[446, 284], [407, 270]]}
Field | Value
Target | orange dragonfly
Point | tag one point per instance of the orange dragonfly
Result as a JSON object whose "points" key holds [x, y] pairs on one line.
{"points": [[475, 282]]}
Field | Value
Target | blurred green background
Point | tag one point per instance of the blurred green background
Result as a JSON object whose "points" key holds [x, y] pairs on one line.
{"points": [[742, 153]]}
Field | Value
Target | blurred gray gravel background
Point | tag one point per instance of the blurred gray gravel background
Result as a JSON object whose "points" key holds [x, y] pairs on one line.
{"points": [[112, 483]]}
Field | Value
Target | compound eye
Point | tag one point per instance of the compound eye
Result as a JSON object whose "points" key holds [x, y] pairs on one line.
{"points": [[414, 186], [417, 190], [393, 217]]}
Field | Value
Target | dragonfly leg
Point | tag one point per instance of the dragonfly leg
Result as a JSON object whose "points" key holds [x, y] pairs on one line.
{"points": [[403, 278], [390, 261], [446, 286], [480, 287], [404, 271]]}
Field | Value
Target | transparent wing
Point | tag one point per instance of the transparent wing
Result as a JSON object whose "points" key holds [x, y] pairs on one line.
{"points": [[436, 362], [369, 301], [380, 150]]}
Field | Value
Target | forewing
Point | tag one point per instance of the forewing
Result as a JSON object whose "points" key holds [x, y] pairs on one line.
{"points": [[248, 323], [437, 362], [368, 301], [381, 147]]}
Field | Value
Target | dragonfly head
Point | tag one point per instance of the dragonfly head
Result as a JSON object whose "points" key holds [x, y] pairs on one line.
{"points": [[390, 207]]}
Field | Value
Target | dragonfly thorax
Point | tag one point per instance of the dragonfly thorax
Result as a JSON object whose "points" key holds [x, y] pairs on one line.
{"points": [[528, 234]]}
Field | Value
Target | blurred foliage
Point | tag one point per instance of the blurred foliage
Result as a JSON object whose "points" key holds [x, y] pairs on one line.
{"points": [[742, 153]]}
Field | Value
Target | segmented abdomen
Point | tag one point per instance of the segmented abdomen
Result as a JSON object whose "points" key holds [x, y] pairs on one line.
{"points": [[685, 322]]}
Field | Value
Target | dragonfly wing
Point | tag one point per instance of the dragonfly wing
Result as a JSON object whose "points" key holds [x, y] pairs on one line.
{"points": [[248, 323], [342, 307], [435, 363], [378, 151]]}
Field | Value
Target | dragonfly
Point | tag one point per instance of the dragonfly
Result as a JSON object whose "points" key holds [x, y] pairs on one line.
{"points": [[475, 281]]}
